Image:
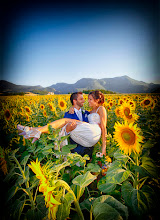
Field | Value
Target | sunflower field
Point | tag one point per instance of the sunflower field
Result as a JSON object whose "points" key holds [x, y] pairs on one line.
{"points": [[44, 180]]}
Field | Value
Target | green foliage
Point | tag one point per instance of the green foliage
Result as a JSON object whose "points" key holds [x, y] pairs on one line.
{"points": [[102, 90], [107, 207]]}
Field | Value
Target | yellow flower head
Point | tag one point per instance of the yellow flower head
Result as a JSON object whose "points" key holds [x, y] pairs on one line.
{"points": [[127, 112], [28, 110], [147, 102], [42, 106], [51, 106], [51, 200], [108, 159], [44, 113], [117, 112], [7, 114], [36, 168], [128, 137], [62, 104]]}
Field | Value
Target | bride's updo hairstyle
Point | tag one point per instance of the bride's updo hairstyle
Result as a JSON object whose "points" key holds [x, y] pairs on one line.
{"points": [[98, 95]]}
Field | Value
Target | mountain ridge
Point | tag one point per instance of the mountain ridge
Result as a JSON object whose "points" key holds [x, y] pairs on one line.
{"points": [[121, 84]]}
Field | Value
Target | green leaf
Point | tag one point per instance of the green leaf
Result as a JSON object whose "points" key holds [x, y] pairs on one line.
{"points": [[116, 164], [150, 195], [135, 199], [105, 212], [19, 206], [65, 150], [149, 166], [64, 209], [41, 206], [126, 190], [49, 146], [148, 144], [25, 159], [71, 146], [48, 151], [106, 187], [86, 204], [76, 190], [84, 180], [118, 208], [117, 176], [58, 167], [139, 202], [12, 191], [66, 177], [93, 168], [120, 156]]}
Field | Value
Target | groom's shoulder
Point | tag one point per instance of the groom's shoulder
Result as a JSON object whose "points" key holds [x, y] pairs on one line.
{"points": [[68, 115], [87, 112]]}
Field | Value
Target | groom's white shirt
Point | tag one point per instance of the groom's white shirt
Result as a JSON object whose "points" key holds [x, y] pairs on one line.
{"points": [[79, 113]]}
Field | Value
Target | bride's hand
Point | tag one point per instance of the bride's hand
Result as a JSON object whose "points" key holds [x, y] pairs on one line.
{"points": [[71, 110]]}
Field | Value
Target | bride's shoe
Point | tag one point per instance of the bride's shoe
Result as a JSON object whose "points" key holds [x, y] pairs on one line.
{"points": [[22, 128], [33, 133]]}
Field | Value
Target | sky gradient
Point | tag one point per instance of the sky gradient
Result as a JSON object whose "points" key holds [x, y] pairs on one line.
{"points": [[47, 43]]}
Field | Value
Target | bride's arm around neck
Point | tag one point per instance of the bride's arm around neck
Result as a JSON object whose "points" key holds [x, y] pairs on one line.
{"points": [[103, 120]]}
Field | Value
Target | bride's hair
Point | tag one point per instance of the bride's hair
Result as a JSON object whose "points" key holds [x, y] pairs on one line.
{"points": [[98, 95]]}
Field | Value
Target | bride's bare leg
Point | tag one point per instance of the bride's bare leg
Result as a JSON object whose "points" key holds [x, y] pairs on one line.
{"points": [[57, 124], [29, 132]]}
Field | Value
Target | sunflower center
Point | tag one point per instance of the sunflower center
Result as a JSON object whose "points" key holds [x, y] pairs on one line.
{"points": [[27, 109], [147, 102], [62, 104], [128, 136], [7, 114], [126, 111]]}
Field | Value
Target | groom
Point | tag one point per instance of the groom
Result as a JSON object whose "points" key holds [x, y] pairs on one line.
{"points": [[77, 101]]}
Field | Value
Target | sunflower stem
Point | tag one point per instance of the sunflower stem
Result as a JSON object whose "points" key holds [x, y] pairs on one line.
{"points": [[26, 182], [136, 173]]}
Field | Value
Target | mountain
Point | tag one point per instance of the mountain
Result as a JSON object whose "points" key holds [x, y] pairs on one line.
{"points": [[123, 84], [7, 87]]}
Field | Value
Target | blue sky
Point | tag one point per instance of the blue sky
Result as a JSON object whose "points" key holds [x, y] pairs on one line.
{"points": [[46, 44]]}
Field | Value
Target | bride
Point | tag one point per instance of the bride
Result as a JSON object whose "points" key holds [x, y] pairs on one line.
{"points": [[85, 134]]}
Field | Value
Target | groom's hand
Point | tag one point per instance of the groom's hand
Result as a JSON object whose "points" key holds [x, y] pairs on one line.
{"points": [[71, 126]]}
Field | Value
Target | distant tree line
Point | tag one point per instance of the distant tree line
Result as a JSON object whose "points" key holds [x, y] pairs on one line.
{"points": [[39, 92], [102, 90], [12, 93]]}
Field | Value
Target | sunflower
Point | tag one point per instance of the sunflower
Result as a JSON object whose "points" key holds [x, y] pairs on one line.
{"points": [[128, 137], [3, 163], [28, 110], [105, 104], [62, 104], [51, 107], [44, 113], [127, 112], [147, 102], [120, 101], [132, 103], [51, 200], [27, 117], [117, 112], [7, 114], [42, 106], [111, 103]]}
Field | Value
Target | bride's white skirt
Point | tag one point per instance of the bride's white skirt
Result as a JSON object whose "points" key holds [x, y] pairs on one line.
{"points": [[86, 134]]}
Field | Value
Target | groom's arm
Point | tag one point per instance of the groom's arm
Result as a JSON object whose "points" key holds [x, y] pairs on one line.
{"points": [[70, 126]]}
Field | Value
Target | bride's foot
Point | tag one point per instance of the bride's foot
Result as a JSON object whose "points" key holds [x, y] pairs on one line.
{"points": [[33, 133], [22, 128]]}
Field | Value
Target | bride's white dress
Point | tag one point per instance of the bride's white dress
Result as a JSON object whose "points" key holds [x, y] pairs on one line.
{"points": [[87, 134]]}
